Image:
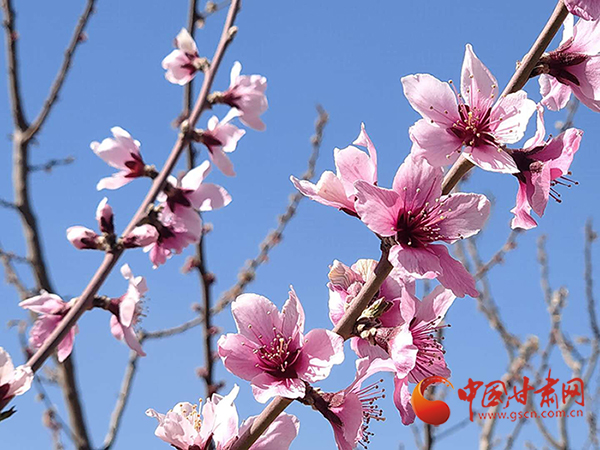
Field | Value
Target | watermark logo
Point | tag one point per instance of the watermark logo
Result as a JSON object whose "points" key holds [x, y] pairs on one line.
{"points": [[433, 412], [497, 395]]}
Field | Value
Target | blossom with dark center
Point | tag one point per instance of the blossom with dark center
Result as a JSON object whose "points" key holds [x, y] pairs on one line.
{"points": [[543, 165], [586, 9], [121, 152], [475, 121], [217, 428], [174, 234], [13, 381], [127, 310], [183, 63], [51, 309], [184, 196], [221, 138], [246, 94], [271, 351], [574, 67], [415, 215], [337, 189], [351, 410]]}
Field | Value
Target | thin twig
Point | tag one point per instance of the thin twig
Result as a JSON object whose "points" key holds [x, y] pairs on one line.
{"points": [[248, 272], [58, 83], [12, 36], [11, 275], [49, 165], [117, 414]]}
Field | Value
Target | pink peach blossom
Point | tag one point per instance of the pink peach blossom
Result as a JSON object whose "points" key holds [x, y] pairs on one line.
{"points": [[183, 63], [140, 237], [354, 408], [415, 215], [352, 164], [190, 192], [573, 67], [586, 9], [51, 309], [246, 94], [221, 138], [475, 121], [13, 381], [217, 428], [271, 351], [416, 351], [542, 165], [121, 152], [174, 234], [127, 310]]}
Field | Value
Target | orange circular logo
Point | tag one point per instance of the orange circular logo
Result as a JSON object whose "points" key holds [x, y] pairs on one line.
{"points": [[434, 412]]}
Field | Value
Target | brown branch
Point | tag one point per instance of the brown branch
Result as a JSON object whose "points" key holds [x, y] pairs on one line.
{"points": [[344, 328], [248, 272], [110, 259], [49, 165], [200, 264], [516, 367], [76, 39], [12, 36], [11, 275], [117, 414], [518, 80], [498, 258]]}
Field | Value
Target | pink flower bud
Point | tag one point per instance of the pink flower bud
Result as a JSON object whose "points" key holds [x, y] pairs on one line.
{"points": [[105, 217], [83, 238]]}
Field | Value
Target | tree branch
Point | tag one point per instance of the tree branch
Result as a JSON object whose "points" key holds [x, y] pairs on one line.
{"points": [[111, 259], [117, 414], [76, 39], [16, 100], [248, 272]]}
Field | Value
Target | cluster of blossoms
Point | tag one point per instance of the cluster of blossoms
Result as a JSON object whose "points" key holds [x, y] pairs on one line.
{"points": [[415, 219], [174, 222]]}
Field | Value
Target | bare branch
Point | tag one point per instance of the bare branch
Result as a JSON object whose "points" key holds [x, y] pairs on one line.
{"points": [[76, 39], [11, 275], [117, 414], [12, 36], [247, 274], [48, 166]]}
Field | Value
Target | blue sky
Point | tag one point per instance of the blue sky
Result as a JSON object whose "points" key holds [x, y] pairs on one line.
{"points": [[349, 56]]}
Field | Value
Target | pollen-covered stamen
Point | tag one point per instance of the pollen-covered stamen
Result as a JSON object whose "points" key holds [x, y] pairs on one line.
{"points": [[191, 414], [277, 356], [474, 127], [420, 226], [429, 346]]}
